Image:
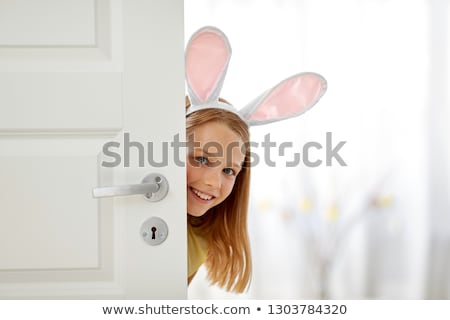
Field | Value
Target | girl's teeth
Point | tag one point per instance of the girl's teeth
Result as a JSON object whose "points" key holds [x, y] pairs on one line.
{"points": [[202, 195]]}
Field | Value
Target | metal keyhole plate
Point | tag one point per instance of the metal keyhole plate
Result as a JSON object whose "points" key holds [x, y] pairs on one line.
{"points": [[154, 231]]}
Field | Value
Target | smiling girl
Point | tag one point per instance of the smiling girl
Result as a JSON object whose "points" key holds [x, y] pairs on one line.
{"points": [[218, 179]]}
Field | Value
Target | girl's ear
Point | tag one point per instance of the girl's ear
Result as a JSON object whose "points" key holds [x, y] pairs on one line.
{"points": [[208, 53], [290, 98]]}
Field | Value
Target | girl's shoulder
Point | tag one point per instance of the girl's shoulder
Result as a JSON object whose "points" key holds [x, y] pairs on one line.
{"points": [[197, 249]]}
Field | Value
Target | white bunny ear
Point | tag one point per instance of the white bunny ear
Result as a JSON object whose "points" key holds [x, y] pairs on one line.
{"points": [[290, 98], [207, 56]]}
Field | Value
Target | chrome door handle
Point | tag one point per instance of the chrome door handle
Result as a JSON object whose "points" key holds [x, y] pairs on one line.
{"points": [[154, 187]]}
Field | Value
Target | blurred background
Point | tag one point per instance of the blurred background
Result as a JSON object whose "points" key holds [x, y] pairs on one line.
{"points": [[379, 227]]}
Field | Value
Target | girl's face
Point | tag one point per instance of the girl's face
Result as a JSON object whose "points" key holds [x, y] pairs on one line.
{"points": [[214, 160]]}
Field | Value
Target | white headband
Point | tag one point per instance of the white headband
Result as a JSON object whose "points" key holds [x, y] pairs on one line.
{"points": [[208, 53]]}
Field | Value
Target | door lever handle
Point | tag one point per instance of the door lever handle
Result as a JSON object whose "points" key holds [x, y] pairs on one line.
{"points": [[154, 187]]}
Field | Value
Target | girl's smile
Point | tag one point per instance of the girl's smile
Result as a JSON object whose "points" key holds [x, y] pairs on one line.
{"points": [[202, 196]]}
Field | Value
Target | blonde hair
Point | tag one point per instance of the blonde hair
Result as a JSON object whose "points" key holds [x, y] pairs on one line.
{"points": [[224, 226]]}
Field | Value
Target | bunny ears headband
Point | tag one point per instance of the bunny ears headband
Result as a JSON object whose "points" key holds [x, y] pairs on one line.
{"points": [[208, 53]]}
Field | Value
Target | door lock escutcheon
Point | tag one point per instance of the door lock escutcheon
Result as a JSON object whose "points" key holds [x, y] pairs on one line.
{"points": [[154, 231]]}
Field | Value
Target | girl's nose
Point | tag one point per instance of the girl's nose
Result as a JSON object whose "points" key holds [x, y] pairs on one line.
{"points": [[213, 177]]}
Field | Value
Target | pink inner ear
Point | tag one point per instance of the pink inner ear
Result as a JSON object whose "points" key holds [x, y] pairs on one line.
{"points": [[206, 60], [293, 96]]}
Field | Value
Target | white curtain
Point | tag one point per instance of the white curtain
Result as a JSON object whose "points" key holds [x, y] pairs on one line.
{"points": [[377, 228]]}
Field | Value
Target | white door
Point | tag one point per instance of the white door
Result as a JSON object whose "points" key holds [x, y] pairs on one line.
{"points": [[75, 75]]}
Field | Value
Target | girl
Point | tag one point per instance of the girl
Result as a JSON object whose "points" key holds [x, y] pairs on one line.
{"points": [[218, 157], [217, 197]]}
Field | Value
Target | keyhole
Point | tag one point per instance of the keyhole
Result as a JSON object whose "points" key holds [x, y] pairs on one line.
{"points": [[153, 232]]}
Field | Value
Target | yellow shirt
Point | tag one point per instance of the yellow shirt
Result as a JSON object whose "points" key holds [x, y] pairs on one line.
{"points": [[197, 250]]}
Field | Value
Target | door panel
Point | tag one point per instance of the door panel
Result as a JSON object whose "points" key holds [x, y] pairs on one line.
{"points": [[82, 101], [70, 22], [66, 92]]}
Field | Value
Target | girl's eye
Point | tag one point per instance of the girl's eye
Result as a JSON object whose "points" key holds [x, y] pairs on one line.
{"points": [[201, 160], [229, 172]]}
